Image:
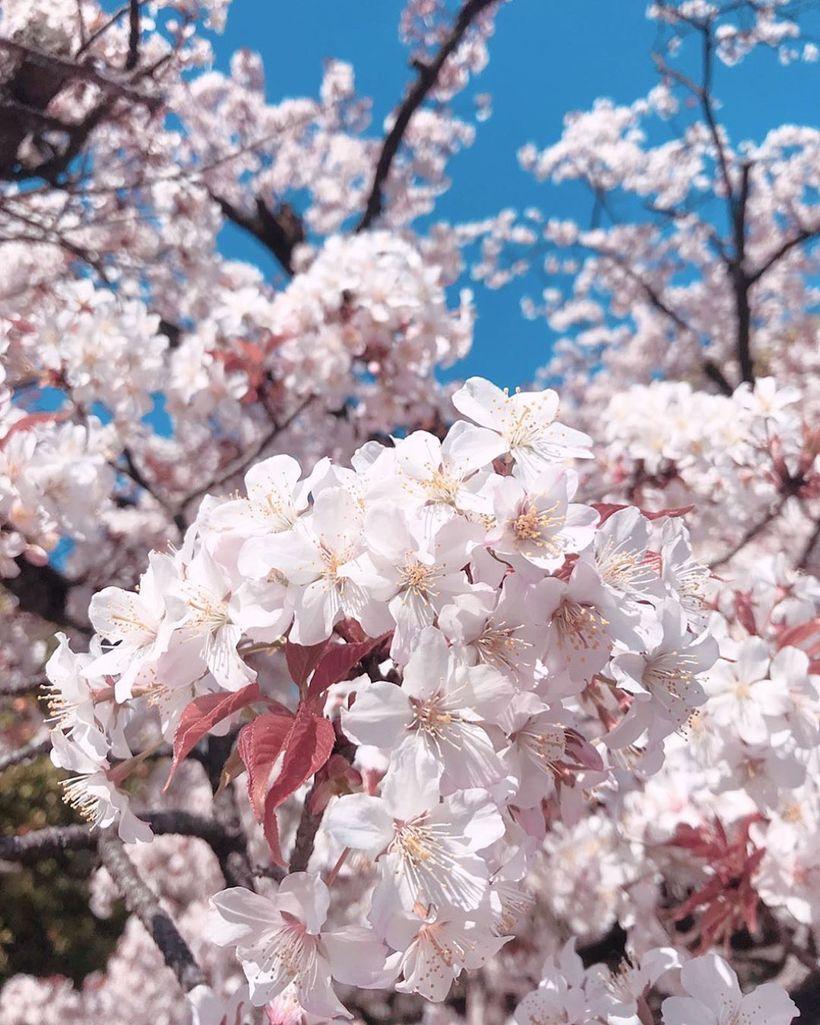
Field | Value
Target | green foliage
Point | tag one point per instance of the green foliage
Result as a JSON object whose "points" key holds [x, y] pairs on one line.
{"points": [[46, 927]]}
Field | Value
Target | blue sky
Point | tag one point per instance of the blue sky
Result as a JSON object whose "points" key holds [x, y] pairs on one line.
{"points": [[547, 57]]}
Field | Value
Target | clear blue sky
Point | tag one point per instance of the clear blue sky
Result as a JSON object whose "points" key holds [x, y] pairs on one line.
{"points": [[547, 57]]}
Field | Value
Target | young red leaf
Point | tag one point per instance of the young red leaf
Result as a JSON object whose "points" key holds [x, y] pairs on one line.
{"points": [[307, 748], [607, 509], [203, 714], [796, 637], [681, 510], [303, 660], [260, 744], [337, 662], [271, 828]]}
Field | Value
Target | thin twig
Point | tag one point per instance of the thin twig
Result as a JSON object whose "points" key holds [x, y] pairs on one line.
{"points": [[427, 77], [750, 534], [243, 461], [808, 550]]}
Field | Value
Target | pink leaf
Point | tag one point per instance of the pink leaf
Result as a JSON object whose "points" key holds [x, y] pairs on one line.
{"points": [[336, 664], [260, 744], [203, 714], [307, 748], [607, 509], [303, 660]]}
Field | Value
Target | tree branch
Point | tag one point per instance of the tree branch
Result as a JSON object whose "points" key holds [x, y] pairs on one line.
{"points": [[279, 230], [141, 901], [29, 848], [305, 835], [43, 843], [22, 687], [86, 72], [42, 591], [804, 235], [710, 368], [133, 35], [242, 462], [427, 77], [808, 550], [751, 533], [24, 754]]}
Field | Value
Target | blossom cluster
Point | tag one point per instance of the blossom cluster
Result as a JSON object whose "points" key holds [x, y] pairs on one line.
{"points": [[489, 648]]}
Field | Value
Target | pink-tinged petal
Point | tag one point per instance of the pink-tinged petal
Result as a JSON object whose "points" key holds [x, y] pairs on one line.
{"points": [[238, 914], [429, 665], [273, 477], [379, 716], [318, 607], [337, 519], [418, 455], [712, 981], [657, 961], [361, 822], [356, 955], [387, 532], [482, 401], [312, 896], [753, 661], [467, 448], [293, 553], [767, 1005], [131, 829], [412, 784], [225, 663], [686, 1011], [315, 993], [427, 969]]}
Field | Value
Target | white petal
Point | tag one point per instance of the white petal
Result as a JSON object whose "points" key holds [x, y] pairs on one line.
{"points": [[238, 914], [380, 714], [361, 822]]}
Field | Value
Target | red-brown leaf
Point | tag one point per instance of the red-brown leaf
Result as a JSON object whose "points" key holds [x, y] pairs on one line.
{"points": [[337, 662], [203, 714], [308, 747], [260, 744], [302, 660]]}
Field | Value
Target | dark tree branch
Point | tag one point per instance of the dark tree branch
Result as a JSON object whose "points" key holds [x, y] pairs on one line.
{"points": [[305, 835], [141, 901], [42, 591], [233, 859], [24, 754], [115, 17], [30, 848], [133, 35], [425, 82], [243, 461], [740, 280], [22, 687], [279, 230], [804, 235], [44, 843], [133, 471], [86, 72], [808, 551]]}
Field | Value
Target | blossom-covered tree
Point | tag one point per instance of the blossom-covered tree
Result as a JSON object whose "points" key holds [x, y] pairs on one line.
{"points": [[429, 703]]}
